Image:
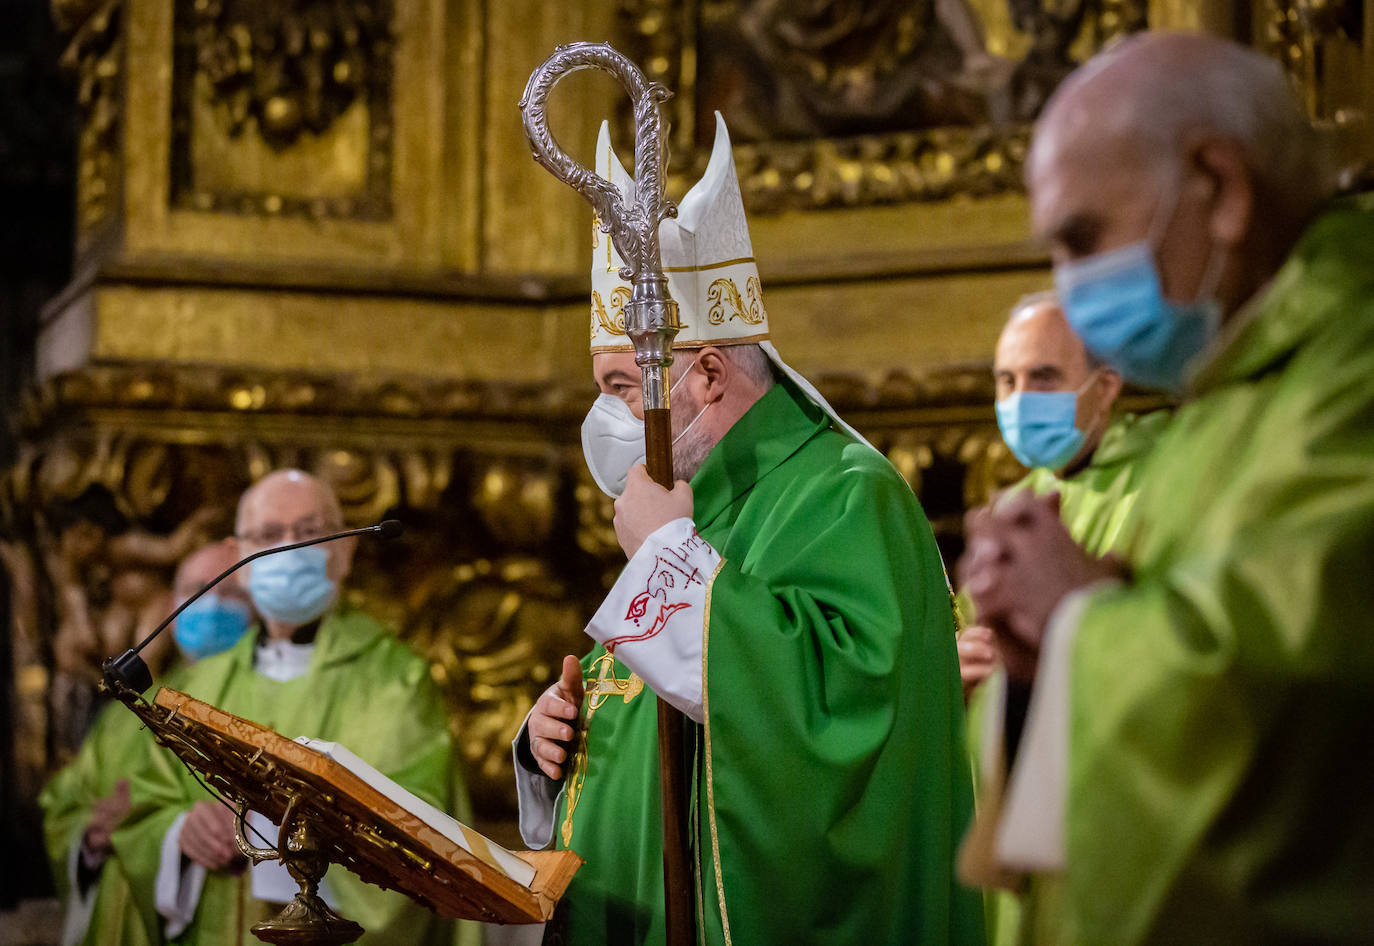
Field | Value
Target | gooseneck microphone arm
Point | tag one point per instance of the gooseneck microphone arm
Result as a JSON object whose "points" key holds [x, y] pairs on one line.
{"points": [[131, 670]]}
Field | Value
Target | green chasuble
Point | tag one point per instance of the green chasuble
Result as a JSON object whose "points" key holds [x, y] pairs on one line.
{"points": [[109, 753], [1222, 703], [831, 785], [1096, 504], [363, 689]]}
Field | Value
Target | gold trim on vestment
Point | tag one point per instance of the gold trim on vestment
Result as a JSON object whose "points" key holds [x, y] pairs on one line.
{"points": [[706, 266], [596, 690], [710, 780], [689, 345], [696, 836]]}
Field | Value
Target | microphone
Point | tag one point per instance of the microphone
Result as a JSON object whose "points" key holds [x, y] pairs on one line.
{"points": [[131, 671]]}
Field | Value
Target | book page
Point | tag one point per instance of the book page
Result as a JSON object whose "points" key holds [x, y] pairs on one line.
{"points": [[482, 848]]}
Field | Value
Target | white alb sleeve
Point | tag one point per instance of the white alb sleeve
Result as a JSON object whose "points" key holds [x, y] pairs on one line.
{"points": [[537, 795], [1030, 836], [652, 619], [176, 892], [76, 917]]}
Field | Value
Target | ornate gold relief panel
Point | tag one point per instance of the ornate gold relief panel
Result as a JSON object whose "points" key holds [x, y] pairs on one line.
{"points": [[283, 108], [233, 130], [95, 59], [1327, 48], [859, 102]]}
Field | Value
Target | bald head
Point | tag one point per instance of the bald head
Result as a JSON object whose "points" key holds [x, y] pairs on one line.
{"points": [[1039, 352], [294, 488], [288, 506], [1152, 91], [1190, 141]]}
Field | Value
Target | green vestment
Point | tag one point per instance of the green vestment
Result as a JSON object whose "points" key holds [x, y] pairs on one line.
{"points": [[1098, 501], [108, 754], [831, 786], [1096, 504], [1222, 703], [363, 689]]}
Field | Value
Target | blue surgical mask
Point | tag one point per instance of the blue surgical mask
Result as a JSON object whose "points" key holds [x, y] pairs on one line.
{"points": [[1039, 428], [1116, 305], [210, 625], [292, 586]]}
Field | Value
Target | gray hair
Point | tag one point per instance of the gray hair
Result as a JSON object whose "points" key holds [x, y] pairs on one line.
{"points": [[1203, 83], [753, 363]]}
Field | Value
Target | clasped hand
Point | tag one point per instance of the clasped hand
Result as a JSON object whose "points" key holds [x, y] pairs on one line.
{"points": [[1019, 564], [207, 837], [106, 815]]}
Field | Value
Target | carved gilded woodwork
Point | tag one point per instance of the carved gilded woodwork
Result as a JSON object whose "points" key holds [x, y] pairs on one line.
{"points": [[854, 103], [252, 81], [95, 57], [270, 133], [508, 549], [1327, 48]]}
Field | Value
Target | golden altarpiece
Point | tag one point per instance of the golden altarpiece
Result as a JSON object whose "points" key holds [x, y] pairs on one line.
{"points": [[310, 233]]}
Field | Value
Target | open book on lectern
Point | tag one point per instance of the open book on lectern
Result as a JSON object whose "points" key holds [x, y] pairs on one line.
{"points": [[493, 854], [355, 816]]}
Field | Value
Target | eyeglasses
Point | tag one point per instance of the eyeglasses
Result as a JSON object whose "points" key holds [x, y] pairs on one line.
{"points": [[278, 533]]}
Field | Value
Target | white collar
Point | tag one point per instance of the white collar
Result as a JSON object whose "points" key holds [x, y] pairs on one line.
{"points": [[282, 660]]}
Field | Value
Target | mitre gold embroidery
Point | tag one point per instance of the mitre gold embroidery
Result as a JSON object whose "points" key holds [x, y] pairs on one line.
{"points": [[612, 322], [724, 294]]}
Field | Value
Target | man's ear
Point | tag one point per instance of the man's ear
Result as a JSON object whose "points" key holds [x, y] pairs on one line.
{"points": [[717, 371], [341, 557], [1109, 384], [1105, 388], [1232, 204]]}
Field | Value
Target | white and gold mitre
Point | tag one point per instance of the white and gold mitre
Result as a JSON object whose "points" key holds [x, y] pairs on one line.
{"points": [[707, 258]]}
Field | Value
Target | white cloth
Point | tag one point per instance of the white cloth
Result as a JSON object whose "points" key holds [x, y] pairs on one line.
{"points": [[180, 881], [654, 616], [537, 795], [176, 892], [282, 661], [1030, 836], [76, 917]]}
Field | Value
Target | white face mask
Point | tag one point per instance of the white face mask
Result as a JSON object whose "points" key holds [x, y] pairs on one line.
{"points": [[613, 439], [612, 442]]}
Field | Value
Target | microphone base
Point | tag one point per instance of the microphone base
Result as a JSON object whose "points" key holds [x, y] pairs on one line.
{"points": [[130, 670]]}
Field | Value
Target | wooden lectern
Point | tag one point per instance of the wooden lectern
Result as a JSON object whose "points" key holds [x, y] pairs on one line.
{"points": [[330, 813]]}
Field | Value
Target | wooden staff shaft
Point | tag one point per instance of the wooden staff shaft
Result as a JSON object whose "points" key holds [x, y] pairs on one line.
{"points": [[658, 445], [673, 788]]}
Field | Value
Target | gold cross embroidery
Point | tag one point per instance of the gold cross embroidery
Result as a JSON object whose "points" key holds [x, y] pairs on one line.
{"points": [[598, 689], [607, 684]]}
